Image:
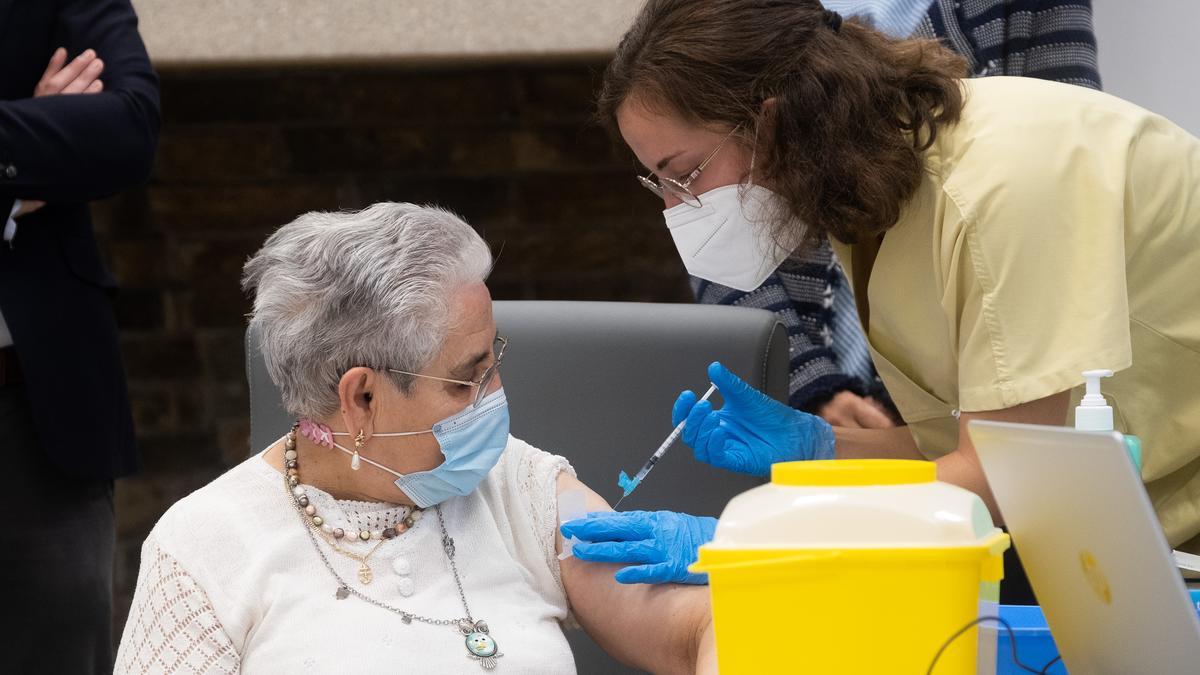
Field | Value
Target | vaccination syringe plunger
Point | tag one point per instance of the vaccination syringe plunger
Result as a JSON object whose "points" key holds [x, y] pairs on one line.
{"points": [[630, 484]]}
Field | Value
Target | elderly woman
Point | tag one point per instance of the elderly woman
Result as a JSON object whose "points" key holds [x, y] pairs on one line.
{"points": [[397, 527]]}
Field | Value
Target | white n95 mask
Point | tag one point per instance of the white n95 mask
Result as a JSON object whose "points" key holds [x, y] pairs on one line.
{"points": [[727, 239]]}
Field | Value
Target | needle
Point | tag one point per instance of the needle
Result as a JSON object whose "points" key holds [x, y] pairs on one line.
{"points": [[630, 484]]}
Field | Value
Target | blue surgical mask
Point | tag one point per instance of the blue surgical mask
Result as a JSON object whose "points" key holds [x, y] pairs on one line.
{"points": [[471, 442]]}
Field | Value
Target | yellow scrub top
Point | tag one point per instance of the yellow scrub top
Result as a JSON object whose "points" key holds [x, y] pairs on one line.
{"points": [[1056, 230]]}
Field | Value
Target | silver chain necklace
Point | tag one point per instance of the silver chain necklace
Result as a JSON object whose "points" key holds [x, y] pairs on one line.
{"points": [[481, 646]]}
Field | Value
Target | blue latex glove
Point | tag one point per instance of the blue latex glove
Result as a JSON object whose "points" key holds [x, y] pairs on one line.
{"points": [[751, 431], [658, 546]]}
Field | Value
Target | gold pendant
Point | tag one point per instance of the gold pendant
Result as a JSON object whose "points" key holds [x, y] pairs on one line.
{"points": [[364, 574]]}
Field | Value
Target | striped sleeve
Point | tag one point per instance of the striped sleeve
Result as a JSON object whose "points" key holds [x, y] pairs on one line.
{"points": [[801, 294], [1046, 39]]}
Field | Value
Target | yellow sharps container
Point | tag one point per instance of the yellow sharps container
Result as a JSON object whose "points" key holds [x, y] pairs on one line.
{"points": [[851, 566]]}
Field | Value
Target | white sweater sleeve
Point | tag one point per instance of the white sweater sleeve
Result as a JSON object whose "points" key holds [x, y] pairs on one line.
{"points": [[531, 489], [172, 626]]}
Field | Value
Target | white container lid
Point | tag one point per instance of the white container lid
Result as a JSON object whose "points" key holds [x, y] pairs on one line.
{"points": [[853, 504]]}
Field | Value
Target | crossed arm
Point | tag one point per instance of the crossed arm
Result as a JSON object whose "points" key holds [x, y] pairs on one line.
{"points": [[79, 148], [80, 76]]}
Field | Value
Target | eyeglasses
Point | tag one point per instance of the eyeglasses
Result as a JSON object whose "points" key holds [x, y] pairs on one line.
{"points": [[481, 385], [682, 189]]}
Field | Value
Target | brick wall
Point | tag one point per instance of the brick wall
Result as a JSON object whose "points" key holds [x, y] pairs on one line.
{"points": [[242, 152]]}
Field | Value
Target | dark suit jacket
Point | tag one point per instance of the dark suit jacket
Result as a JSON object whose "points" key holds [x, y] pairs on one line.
{"points": [[55, 292]]}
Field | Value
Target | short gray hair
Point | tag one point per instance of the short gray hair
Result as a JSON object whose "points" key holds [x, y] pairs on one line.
{"points": [[368, 288]]}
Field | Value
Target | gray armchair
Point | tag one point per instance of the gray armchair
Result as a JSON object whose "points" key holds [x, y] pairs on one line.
{"points": [[594, 382]]}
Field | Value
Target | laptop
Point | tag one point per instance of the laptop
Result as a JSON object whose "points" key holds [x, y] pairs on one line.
{"points": [[1092, 547]]}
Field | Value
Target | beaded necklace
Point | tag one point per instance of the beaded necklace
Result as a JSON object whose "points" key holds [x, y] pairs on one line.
{"points": [[481, 646], [331, 534], [291, 463]]}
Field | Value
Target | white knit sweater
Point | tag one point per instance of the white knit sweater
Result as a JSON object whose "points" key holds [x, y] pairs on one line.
{"points": [[230, 582]]}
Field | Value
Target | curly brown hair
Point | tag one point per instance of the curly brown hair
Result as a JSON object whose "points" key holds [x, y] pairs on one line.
{"points": [[852, 110]]}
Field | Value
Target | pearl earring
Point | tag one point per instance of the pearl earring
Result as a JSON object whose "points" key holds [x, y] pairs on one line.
{"points": [[358, 445]]}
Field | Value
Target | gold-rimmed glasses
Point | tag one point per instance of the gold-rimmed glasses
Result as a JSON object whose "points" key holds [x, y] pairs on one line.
{"points": [[682, 189], [480, 385]]}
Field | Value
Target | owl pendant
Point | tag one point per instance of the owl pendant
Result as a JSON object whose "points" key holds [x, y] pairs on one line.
{"points": [[481, 646]]}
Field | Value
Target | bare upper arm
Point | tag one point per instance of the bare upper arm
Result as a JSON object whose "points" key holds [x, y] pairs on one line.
{"points": [[962, 466], [658, 628]]}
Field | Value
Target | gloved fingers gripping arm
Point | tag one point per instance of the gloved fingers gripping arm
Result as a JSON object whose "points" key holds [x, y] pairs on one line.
{"points": [[621, 552], [661, 573], [609, 526], [652, 628], [669, 544]]}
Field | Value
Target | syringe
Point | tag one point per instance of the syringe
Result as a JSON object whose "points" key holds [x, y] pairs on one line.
{"points": [[630, 484]]}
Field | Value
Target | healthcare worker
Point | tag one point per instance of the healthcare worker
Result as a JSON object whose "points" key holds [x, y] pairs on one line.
{"points": [[1001, 236], [830, 371]]}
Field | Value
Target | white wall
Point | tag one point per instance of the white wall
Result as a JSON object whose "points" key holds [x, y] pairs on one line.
{"points": [[199, 32], [1148, 55], [1147, 47]]}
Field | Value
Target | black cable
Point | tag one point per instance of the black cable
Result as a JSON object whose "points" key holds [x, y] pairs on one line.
{"points": [[1012, 638], [1046, 668]]}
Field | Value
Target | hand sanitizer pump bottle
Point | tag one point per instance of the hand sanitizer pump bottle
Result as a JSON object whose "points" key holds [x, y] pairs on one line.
{"points": [[1095, 414]]}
